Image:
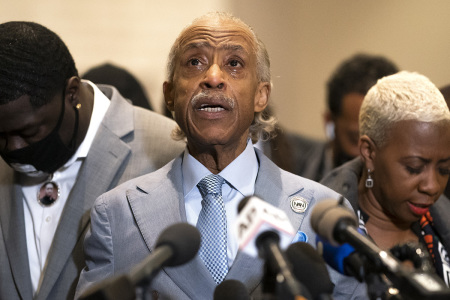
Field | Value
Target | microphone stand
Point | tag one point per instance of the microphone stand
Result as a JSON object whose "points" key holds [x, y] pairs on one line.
{"points": [[269, 283]]}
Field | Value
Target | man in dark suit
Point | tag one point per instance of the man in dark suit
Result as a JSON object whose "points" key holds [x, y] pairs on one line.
{"points": [[58, 128]]}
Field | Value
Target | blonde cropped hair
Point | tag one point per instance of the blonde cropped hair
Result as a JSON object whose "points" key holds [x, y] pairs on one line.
{"points": [[402, 96]]}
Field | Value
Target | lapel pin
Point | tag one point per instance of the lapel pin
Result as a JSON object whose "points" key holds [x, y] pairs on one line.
{"points": [[300, 236], [299, 204]]}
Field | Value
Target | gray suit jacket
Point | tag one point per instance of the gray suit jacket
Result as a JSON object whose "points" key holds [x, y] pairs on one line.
{"points": [[126, 222], [130, 142]]}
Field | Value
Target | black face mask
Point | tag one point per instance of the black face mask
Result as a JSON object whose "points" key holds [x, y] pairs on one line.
{"points": [[47, 155]]}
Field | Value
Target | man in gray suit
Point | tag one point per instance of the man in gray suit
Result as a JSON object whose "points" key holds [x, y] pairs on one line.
{"points": [[84, 139], [218, 85]]}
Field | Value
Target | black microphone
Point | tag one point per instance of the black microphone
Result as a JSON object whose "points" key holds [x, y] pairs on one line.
{"points": [[338, 225], [347, 261], [310, 269], [260, 228], [175, 246], [415, 253], [231, 289], [343, 258]]}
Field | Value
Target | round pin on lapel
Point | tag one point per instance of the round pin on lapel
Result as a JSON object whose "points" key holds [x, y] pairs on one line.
{"points": [[48, 193], [299, 204]]}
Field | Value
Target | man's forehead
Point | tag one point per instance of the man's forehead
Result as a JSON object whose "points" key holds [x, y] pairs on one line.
{"points": [[230, 46], [227, 34]]}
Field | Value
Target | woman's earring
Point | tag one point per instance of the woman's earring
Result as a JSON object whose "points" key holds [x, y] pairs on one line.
{"points": [[369, 180]]}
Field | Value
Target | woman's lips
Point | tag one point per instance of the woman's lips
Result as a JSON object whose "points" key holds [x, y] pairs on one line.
{"points": [[418, 209]]}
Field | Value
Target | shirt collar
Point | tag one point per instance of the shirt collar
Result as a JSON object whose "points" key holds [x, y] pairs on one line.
{"points": [[240, 173]]}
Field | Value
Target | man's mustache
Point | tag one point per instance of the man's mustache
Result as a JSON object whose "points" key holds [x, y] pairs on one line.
{"points": [[213, 95]]}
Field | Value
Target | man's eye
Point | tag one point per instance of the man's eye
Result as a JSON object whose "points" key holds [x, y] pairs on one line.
{"points": [[234, 63], [194, 62]]}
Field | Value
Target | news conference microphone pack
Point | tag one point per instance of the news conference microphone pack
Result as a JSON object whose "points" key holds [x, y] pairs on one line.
{"points": [[337, 225], [264, 230]]}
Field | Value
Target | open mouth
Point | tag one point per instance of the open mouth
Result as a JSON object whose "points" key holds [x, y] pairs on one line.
{"points": [[211, 108], [212, 102]]}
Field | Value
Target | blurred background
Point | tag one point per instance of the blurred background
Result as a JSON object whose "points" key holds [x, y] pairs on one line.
{"points": [[306, 40]]}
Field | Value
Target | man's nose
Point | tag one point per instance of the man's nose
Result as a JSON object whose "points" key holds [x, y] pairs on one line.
{"points": [[213, 78]]}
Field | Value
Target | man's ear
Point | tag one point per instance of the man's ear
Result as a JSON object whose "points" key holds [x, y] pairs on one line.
{"points": [[262, 96], [168, 95], [72, 89], [367, 149]]}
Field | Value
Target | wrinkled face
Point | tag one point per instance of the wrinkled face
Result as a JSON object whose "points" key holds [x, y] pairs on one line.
{"points": [[412, 169], [346, 127], [215, 91]]}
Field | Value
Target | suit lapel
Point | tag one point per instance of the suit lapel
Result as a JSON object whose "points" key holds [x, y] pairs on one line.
{"points": [[271, 189], [247, 269], [98, 174], [13, 227], [156, 207]]}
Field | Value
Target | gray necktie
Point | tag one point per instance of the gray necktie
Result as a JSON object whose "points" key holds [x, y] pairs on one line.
{"points": [[212, 224]]}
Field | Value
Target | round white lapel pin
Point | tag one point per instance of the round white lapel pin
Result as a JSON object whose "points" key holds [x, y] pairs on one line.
{"points": [[299, 204]]}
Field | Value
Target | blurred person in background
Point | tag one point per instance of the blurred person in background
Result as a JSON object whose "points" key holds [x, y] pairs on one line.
{"points": [[127, 84], [346, 88]]}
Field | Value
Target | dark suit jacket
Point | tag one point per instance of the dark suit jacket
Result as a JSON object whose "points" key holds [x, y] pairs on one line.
{"points": [[306, 157], [130, 142]]}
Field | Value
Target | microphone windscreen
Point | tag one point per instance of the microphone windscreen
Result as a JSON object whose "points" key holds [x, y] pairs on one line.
{"points": [[326, 215], [231, 289], [310, 269], [183, 239], [256, 217]]}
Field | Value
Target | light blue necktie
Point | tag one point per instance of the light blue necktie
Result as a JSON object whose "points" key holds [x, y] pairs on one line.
{"points": [[212, 224]]}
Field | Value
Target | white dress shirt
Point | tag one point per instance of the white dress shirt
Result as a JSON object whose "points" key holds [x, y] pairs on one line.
{"points": [[41, 221], [240, 176]]}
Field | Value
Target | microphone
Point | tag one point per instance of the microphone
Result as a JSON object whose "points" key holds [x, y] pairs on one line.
{"points": [[344, 258], [257, 216], [338, 225], [176, 245], [231, 289], [262, 230], [415, 253], [310, 269]]}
